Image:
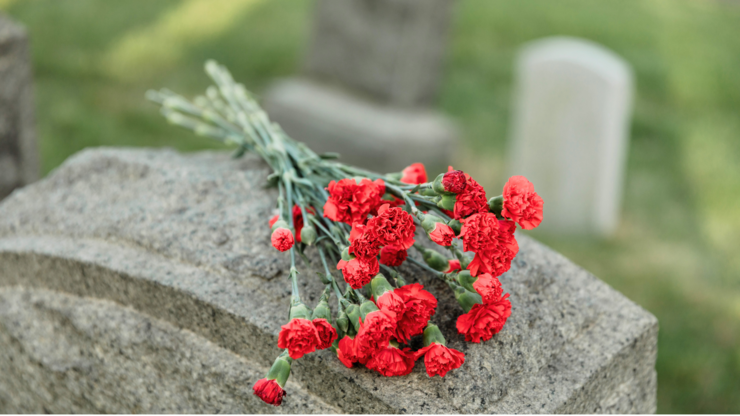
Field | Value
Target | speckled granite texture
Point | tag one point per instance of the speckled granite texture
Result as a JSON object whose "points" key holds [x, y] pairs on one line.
{"points": [[144, 281]]}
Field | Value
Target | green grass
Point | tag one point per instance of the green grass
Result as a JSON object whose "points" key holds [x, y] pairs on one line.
{"points": [[675, 249]]}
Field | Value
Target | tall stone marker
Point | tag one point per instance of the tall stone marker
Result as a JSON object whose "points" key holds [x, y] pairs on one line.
{"points": [[19, 163], [571, 131], [144, 281], [372, 71]]}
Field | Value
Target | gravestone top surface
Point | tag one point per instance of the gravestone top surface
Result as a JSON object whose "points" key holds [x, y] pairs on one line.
{"points": [[178, 245], [580, 52], [571, 131], [391, 50]]}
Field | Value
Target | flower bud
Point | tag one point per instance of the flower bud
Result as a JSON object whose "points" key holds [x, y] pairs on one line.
{"points": [[432, 334], [456, 226], [437, 185], [465, 261], [280, 370], [345, 254], [437, 230], [308, 235], [496, 204], [322, 311], [466, 280], [447, 202], [343, 322], [279, 224], [425, 191], [429, 222], [353, 313], [465, 298], [299, 310], [379, 285], [452, 182], [454, 266], [367, 307], [435, 260]]}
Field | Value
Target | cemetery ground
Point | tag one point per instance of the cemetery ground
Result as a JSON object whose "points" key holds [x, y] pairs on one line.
{"points": [[675, 250]]}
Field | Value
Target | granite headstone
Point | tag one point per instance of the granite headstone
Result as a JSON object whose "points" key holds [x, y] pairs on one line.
{"points": [[144, 281]]}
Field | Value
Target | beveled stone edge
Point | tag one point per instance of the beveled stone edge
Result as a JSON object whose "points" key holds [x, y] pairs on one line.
{"points": [[235, 330]]}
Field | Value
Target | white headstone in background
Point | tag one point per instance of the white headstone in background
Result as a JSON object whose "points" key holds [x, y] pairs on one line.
{"points": [[570, 131]]}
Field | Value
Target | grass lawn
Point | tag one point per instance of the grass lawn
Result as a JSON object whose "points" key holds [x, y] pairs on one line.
{"points": [[675, 252]]}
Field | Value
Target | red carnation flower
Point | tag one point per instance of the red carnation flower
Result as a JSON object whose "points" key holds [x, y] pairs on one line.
{"points": [[269, 391], [454, 265], [420, 305], [391, 301], [492, 241], [391, 361], [521, 203], [414, 174], [393, 255], [297, 220], [454, 181], [327, 333], [375, 333], [351, 202], [438, 359], [358, 273], [507, 248], [484, 320], [392, 226], [282, 239], [442, 234], [381, 186], [488, 287], [471, 200], [479, 232], [299, 337], [347, 351], [357, 231], [364, 247]]}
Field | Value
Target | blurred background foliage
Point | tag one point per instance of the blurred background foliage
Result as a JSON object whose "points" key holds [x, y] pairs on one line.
{"points": [[676, 250]]}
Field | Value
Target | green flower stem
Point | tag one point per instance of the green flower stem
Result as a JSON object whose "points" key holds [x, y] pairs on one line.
{"points": [[442, 276], [359, 295], [294, 282], [456, 251], [387, 268], [401, 194], [327, 232], [333, 282], [281, 198]]}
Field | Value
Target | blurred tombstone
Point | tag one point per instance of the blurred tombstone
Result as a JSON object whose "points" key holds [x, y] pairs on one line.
{"points": [[372, 69], [570, 131], [18, 154]]}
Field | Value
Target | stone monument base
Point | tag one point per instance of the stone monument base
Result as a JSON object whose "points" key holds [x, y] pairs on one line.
{"points": [[374, 136]]}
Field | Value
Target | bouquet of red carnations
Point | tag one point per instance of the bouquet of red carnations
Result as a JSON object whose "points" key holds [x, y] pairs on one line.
{"points": [[363, 224]]}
